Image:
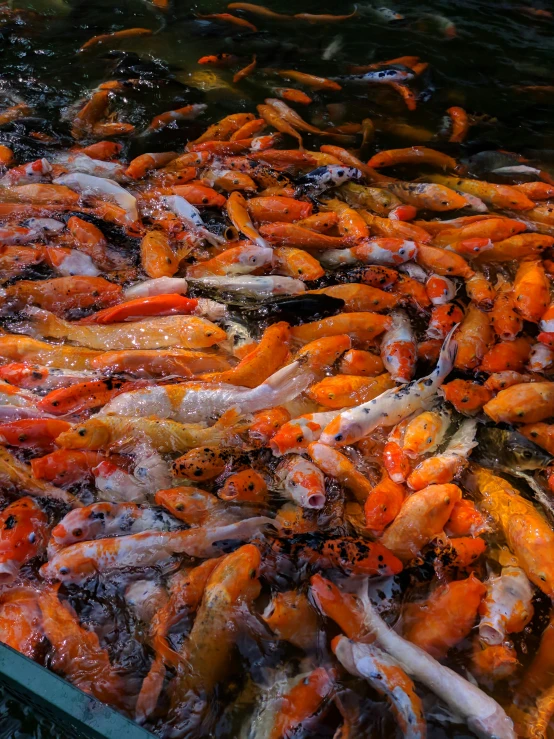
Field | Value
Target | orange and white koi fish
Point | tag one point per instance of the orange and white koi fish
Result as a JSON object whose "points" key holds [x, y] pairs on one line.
{"points": [[294, 436], [302, 481], [335, 464], [444, 467], [389, 252], [99, 187], [440, 289], [238, 260], [101, 520], [190, 215], [507, 607], [398, 348], [77, 562], [27, 173], [150, 473]]}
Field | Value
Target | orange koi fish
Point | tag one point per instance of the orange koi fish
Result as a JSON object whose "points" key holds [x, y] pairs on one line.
{"points": [[77, 653], [446, 617], [106, 37], [23, 534]]}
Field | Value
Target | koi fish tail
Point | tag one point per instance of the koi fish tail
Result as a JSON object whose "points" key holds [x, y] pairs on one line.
{"points": [[150, 691], [283, 386], [447, 355], [43, 323]]}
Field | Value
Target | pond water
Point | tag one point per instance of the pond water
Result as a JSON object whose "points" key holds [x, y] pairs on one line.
{"points": [[495, 59]]}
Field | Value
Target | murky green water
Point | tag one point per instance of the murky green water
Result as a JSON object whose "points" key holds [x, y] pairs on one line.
{"points": [[497, 49], [497, 52]]}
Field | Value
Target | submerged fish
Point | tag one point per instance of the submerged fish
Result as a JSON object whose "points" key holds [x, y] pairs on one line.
{"points": [[508, 450]]}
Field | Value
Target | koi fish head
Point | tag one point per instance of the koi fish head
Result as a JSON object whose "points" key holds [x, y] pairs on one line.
{"points": [[191, 505], [93, 434], [338, 433], [290, 437]]}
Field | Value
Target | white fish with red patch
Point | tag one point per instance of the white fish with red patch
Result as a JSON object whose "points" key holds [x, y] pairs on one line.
{"points": [[302, 481], [399, 348]]}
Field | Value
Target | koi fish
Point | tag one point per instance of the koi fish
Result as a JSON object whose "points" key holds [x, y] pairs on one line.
{"points": [[294, 436], [258, 287], [23, 534], [323, 178], [188, 332], [90, 185], [18, 476], [237, 260], [446, 617], [507, 607], [77, 652], [164, 435], [398, 349], [101, 520], [386, 676], [379, 76], [186, 113], [482, 713], [528, 534], [125, 33], [21, 620], [233, 582], [392, 406], [157, 286], [422, 516], [302, 481], [150, 473], [445, 466], [79, 561]]}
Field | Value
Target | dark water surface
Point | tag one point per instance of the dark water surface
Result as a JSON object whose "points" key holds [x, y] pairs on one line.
{"points": [[498, 50], [498, 53]]}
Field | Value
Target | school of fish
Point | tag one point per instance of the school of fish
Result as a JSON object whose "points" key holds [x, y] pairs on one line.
{"points": [[277, 418]]}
